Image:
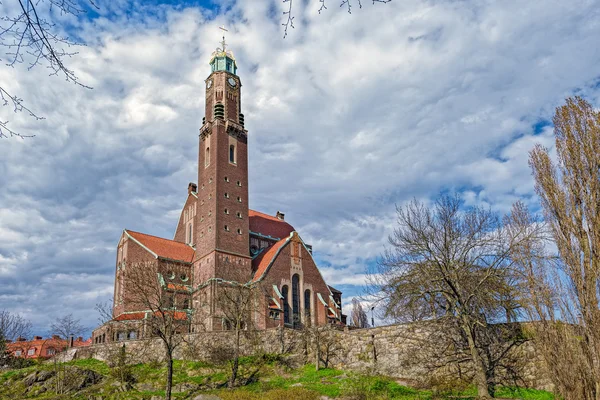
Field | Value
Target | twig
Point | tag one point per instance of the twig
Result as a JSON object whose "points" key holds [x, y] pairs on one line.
{"points": [[18, 106], [290, 20]]}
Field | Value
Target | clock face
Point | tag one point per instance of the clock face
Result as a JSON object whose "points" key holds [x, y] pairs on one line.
{"points": [[209, 84], [232, 82]]}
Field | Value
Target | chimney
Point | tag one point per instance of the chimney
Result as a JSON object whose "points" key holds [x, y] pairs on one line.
{"points": [[55, 337], [80, 338], [8, 341], [280, 215], [21, 339], [192, 187], [37, 338]]}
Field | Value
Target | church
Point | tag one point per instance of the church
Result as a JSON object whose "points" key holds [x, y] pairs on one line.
{"points": [[217, 230]]}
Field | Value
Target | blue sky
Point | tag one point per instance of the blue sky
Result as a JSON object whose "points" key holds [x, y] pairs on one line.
{"points": [[348, 116]]}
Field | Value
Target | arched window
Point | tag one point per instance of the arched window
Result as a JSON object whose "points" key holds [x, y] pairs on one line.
{"points": [[232, 153], [307, 307], [296, 298], [286, 305], [207, 157]]}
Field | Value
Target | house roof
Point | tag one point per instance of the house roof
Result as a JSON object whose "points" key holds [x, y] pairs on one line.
{"points": [[262, 262], [131, 316], [164, 248], [268, 225], [334, 290], [41, 346]]}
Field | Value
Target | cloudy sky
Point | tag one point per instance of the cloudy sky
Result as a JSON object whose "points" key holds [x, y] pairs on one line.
{"points": [[347, 116]]}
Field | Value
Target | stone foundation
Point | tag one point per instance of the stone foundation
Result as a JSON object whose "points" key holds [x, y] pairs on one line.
{"points": [[388, 350]]}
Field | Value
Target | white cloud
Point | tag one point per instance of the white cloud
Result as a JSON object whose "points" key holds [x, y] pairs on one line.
{"points": [[347, 116]]}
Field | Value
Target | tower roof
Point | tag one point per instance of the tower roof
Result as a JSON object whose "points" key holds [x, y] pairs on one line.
{"points": [[223, 59]]}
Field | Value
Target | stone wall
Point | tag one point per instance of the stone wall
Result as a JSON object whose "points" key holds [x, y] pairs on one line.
{"points": [[392, 350]]}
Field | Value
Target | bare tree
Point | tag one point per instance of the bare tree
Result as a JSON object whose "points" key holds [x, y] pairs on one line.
{"points": [[325, 344], [454, 267], [67, 327], [167, 318], [557, 332], [359, 317], [13, 326], [239, 301], [569, 191], [32, 36]]}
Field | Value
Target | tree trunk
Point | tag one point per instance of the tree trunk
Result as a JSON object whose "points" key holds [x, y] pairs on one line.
{"points": [[169, 375], [236, 359], [317, 350], [480, 377]]}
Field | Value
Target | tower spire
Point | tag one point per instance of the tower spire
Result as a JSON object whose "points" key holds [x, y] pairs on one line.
{"points": [[223, 43], [223, 59]]}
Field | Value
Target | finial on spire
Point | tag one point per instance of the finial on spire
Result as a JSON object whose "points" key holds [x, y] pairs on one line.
{"points": [[223, 44]]}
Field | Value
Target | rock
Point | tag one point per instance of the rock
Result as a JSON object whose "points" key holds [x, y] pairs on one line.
{"points": [[184, 387], [296, 384], [43, 376], [145, 387], [30, 379], [207, 397]]}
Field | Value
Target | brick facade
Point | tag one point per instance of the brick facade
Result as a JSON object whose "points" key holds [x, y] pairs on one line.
{"points": [[217, 229]]}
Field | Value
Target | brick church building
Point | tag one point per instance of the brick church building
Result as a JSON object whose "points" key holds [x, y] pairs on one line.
{"points": [[216, 230]]}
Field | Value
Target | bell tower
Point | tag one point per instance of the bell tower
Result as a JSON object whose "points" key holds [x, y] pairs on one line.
{"points": [[222, 210]]}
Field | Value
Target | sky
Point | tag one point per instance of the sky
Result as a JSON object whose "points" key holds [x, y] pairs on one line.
{"points": [[348, 116]]}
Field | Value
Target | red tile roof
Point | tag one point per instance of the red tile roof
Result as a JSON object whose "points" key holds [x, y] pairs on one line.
{"points": [[264, 259], [41, 346], [268, 225], [181, 288], [179, 315], [164, 248]]}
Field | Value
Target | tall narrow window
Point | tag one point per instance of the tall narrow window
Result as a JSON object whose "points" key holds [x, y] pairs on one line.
{"points": [[207, 157], [296, 298], [232, 153], [286, 306], [190, 233], [307, 307]]}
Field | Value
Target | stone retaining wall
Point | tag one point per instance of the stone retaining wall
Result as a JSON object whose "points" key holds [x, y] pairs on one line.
{"points": [[388, 350]]}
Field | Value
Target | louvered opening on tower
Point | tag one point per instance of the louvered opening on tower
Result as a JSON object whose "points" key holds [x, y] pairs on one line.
{"points": [[241, 119], [219, 111]]}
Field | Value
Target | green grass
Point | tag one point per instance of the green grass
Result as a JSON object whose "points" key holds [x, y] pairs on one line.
{"points": [[524, 394], [276, 381]]}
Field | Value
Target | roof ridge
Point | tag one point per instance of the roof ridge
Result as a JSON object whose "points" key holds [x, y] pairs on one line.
{"points": [[271, 217], [158, 237]]}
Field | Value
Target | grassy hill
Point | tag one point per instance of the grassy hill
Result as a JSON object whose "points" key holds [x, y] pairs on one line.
{"points": [[266, 377]]}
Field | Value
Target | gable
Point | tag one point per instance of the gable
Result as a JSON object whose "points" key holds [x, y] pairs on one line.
{"points": [[190, 207], [277, 261]]}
